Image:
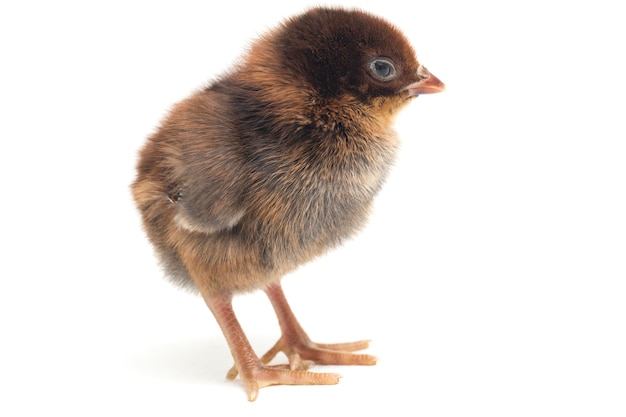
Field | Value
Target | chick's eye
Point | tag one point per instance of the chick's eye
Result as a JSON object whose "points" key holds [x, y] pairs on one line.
{"points": [[382, 69]]}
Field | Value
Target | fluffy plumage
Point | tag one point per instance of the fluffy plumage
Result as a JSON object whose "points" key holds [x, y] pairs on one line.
{"points": [[275, 163]]}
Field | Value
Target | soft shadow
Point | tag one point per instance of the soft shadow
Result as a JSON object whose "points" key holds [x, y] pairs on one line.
{"points": [[191, 361]]}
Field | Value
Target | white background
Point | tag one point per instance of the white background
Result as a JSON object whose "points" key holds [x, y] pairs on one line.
{"points": [[491, 278]]}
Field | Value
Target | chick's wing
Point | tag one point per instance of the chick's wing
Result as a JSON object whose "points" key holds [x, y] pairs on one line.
{"points": [[209, 176]]}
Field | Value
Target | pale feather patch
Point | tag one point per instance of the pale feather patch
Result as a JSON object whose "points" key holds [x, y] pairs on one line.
{"points": [[184, 222]]}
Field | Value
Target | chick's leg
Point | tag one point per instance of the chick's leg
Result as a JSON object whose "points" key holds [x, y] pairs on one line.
{"points": [[254, 373], [299, 348]]}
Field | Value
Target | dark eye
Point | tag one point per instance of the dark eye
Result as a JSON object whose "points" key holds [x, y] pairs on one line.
{"points": [[383, 69]]}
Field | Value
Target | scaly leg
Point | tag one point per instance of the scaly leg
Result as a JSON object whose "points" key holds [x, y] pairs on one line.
{"points": [[255, 374], [299, 348]]}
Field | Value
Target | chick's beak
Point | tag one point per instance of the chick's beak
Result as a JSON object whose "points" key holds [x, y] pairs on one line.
{"points": [[428, 84]]}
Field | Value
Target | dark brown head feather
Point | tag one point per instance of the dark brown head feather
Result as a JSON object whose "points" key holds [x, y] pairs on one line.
{"points": [[331, 50]]}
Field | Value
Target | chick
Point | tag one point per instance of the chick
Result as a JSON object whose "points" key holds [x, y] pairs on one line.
{"points": [[272, 165]]}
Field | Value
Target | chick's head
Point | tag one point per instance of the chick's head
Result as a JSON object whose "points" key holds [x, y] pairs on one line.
{"points": [[338, 52]]}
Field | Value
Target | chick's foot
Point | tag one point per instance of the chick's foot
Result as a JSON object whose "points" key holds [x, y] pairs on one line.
{"points": [[302, 353], [299, 348], [260, 375]]}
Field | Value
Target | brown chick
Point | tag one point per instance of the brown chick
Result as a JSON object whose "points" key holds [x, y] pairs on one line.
{"points": [[272, 165]]}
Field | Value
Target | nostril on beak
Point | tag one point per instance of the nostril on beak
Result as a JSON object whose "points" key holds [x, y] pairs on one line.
{"points": [[422, 72]]}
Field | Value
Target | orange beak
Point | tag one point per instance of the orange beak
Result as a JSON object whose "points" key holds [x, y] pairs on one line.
{"points": [[428, 84]]}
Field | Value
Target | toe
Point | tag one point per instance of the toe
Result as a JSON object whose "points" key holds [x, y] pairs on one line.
{"points": [[346, 347]]}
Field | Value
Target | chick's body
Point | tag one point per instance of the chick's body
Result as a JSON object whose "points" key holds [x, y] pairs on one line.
{"points": [[276, 162]]}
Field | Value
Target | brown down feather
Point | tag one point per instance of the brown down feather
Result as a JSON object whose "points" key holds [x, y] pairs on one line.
{"points": [[279, 159]]}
